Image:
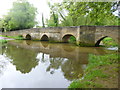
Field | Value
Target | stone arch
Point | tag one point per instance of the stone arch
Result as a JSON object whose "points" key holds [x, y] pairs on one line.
{"points": [[100, 39], [28, 37], [66, 38], [44, 38]]}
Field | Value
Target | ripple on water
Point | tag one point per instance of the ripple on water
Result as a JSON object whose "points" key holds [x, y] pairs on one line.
{"points": [[112, 48]]}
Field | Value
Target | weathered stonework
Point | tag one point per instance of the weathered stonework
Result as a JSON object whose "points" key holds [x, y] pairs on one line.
{"points": [[85, 35]]}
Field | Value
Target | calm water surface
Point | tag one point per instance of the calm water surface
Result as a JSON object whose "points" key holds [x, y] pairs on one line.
{"points": [[33, 64]]}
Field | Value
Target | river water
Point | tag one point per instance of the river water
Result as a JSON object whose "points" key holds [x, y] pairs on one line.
{"points": [[33, 64]]}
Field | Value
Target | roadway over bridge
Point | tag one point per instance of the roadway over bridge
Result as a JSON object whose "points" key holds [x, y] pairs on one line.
{"points": [[85, 35]]}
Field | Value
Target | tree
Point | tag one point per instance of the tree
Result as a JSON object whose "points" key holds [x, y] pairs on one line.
{"points": [[86, 13], [21, 16], [43, 20], [53, 21], [0, 25]]}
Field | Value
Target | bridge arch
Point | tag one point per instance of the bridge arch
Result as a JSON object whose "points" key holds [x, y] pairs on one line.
{"points": [[67, 37], [44, 38], [28, 37], [97, 43]]}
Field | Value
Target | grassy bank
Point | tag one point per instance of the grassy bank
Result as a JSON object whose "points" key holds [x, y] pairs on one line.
{"points": [[14, 37], [101, 72], [3, 41]]}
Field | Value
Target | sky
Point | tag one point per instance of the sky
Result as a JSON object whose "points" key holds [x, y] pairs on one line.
{"points": [[41, 5]]}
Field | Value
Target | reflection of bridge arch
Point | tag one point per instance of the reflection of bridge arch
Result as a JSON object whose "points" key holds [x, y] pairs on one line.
{"points": [[28, 37], [28, 42], [100, 39], [66, 37], [45, 44], [44, 38]]}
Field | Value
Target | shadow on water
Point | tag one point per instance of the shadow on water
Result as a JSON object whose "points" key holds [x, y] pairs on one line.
{"points": [[69, 58]]}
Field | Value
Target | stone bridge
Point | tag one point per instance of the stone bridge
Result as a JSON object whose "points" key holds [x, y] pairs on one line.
{"points": [[85, 35]]}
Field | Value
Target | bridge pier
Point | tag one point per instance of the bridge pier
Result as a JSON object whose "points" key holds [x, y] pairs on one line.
{"points": [[87, 36]]}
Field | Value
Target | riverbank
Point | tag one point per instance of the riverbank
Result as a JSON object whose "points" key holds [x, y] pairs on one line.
{"points": [[11, 37], [101, 72], [4, 39]]}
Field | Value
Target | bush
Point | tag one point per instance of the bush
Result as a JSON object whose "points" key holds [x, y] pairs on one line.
{"points": [[72, 39]]}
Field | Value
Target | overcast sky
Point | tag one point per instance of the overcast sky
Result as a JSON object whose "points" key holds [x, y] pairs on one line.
{"points": [[41, 6]]}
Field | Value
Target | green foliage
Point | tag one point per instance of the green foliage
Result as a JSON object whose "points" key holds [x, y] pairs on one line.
{"points": [[95, 71], [86, 13], [109, 42], [21, 16], [72, 39], [38, 26], [97, 13], [3, 41], [1, 24], [67, 22], [55, 16], [53, 21], [55, 11]]}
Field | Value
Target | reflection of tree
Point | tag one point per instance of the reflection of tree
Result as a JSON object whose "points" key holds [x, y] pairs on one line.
{"points": [[2, 63], [55, 63], [43, 57], [72, 69], [1, 67], [23, 59]]}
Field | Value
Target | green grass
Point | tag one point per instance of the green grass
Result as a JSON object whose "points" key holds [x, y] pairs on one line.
{"points": [[84, 84], [14, 37], [95, 69]]}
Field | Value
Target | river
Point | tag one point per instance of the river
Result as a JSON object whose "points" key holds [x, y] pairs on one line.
{"points": [[33, 64]]}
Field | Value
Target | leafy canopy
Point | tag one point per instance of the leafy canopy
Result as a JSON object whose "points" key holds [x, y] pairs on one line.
{"points": [[21, 16], [85, 13]]}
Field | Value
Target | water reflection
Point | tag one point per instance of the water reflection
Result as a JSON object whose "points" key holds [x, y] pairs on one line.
{"points": [[68, 60], [3, 63], [55, 64], [24, 60]]}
